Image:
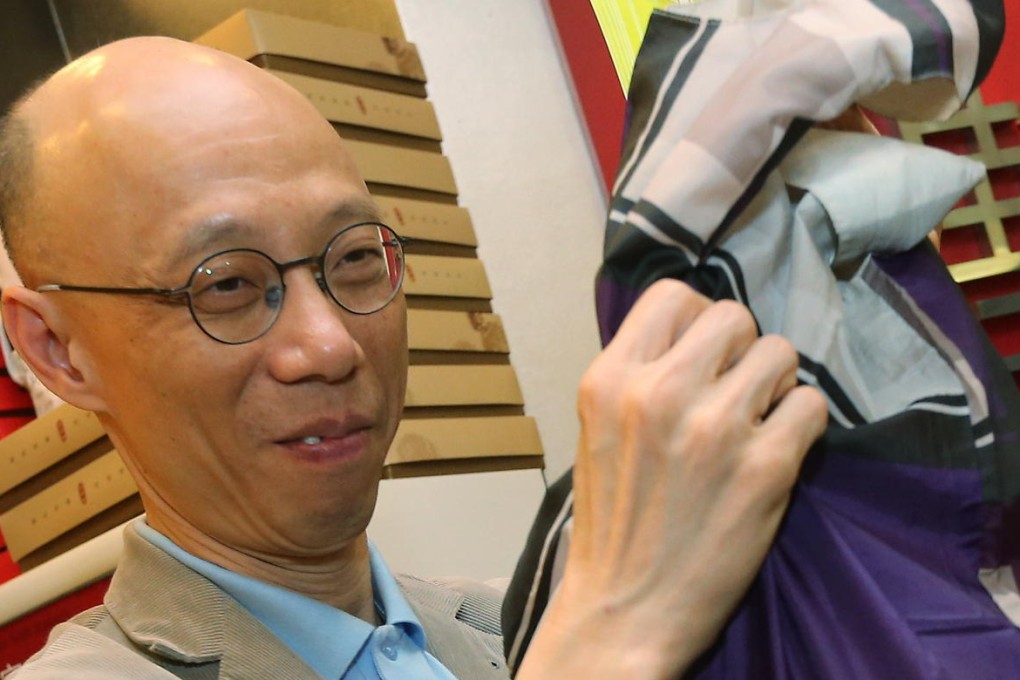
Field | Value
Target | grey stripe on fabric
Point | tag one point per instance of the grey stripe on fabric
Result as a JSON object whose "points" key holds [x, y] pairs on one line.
{"points": [[919, 322], [929, 32], [668, 34]]}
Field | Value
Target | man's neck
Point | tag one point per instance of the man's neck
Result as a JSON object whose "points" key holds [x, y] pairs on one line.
{"points": [[341, 578]]}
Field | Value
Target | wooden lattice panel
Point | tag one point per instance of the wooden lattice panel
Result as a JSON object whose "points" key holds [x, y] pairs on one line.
{"points": [[983, 133]]}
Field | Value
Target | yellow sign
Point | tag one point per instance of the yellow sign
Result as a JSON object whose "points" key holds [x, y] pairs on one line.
{"points": [[623, 24]]}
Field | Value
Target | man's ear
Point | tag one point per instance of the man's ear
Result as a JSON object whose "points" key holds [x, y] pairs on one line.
{"points": [[35, 328]]}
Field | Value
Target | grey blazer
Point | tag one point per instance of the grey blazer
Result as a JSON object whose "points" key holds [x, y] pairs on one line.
{"points": [[160, 620]]}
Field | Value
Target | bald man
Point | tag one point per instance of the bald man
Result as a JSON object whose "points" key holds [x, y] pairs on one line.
{"points": [[205, 269]]}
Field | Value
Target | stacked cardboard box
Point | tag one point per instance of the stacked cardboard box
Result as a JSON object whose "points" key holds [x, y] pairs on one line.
{"points": [[61, 483], [464, 410]]}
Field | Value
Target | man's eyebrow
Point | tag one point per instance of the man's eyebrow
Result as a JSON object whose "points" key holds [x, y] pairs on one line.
{"points": [[224, 230], [203, 235], [362, 209]]}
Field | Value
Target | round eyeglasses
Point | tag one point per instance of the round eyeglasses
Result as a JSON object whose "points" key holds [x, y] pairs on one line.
{"points": [[236, 295]]}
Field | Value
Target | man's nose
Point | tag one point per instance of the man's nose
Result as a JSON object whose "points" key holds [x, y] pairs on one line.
{"points": [[309, 340]]}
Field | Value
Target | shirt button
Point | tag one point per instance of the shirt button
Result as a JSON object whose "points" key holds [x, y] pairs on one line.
{"points": [[390, 652]]}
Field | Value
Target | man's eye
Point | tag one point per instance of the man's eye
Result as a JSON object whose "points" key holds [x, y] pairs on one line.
{"points": [[228, 285], [360, 256], [226, 295], [358, 267]]}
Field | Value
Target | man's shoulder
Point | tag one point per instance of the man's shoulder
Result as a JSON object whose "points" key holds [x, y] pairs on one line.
{"points": [[461, 621], [471, 602], [83, 648]]}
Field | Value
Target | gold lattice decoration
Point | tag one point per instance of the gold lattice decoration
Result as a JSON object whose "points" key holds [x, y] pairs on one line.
{"points": [[986, 212]]}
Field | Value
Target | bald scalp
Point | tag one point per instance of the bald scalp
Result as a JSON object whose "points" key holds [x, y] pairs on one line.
{"points": [[114, 116]]}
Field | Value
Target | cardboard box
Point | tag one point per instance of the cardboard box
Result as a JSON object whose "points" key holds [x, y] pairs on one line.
{"points": [[45, 441], [250, 33], [441, 439], [427, 221], [352, 105], [384, 164], [61, 507], [446, 276], [455, 331], [463, 386]]}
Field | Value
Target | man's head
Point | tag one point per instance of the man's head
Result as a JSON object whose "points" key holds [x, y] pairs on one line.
{"points": [[147, 156]]}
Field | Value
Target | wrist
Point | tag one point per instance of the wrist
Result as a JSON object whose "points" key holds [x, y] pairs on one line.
{"points": [[584, 635]]}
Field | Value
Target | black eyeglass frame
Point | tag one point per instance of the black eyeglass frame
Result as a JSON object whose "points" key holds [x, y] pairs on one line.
{"points": [[319, 261]]}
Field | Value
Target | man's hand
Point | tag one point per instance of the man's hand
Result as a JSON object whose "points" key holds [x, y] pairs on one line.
{"points": [[693, 431]]}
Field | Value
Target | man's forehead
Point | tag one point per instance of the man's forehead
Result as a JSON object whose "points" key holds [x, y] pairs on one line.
{"points": [[142, 127]]}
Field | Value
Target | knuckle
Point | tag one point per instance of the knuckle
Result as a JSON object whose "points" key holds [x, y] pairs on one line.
{"points": [[781, 348], [770, 471], [707, 424], [640, 400], [677, 292], [735, 316], [595, 384], [767, 476]]}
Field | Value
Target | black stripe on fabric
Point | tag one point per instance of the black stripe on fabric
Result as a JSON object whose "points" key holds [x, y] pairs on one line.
{"points": [[529, 570], [798, 127], [991, 21], [982, 428], [667, 34], [621, 205], [733, 266], [953, 400], [921, 438], [929, 33], [617, 204], [668, 226], [635, 261], [827, 384]]}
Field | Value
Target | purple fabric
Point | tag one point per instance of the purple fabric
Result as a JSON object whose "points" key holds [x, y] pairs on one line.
{"points": [[799, 621]]}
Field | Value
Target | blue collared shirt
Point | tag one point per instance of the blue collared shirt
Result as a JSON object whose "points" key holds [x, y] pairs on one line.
{"points": [[332, 642]]}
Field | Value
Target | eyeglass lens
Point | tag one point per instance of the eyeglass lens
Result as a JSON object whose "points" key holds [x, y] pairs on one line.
{"points": [[236, 296]]}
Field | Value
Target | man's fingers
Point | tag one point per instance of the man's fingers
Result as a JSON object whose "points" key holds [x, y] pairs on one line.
{"points": [[766, 372], [799, 418], [662, 314], [713, 343]]}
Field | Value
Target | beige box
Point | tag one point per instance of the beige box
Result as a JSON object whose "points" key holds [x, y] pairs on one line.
{"points": [[428, 221], [352, 105], [45, 441], [250, 33], [66, 504], [446, 276], [438, 439], [464, 385], [402, 167], [455, 331]]}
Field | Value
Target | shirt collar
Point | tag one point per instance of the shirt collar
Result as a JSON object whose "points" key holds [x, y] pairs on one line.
{"points": [[324, 637]]}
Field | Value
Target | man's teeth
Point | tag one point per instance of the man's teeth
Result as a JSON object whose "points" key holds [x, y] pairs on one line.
{"points": [[311, 440]]}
